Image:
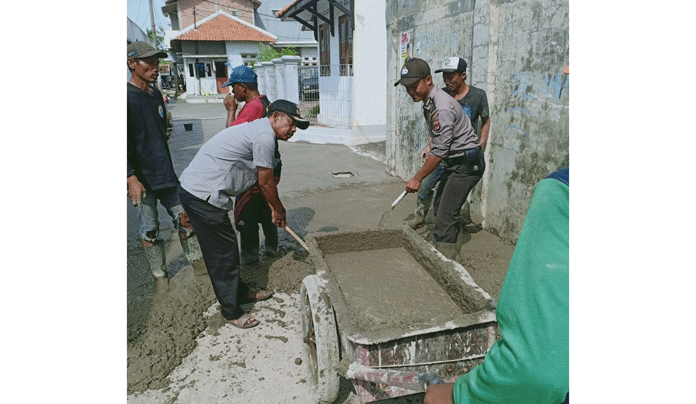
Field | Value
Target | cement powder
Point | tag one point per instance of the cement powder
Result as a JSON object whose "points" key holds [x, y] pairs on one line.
{"points": [[388, 288]]}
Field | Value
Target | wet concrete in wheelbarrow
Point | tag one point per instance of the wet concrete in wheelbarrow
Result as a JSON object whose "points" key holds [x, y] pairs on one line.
{"points": [[211, 361]]}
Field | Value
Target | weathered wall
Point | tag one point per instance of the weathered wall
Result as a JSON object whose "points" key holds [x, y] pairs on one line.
{"points": [[516, 51]]}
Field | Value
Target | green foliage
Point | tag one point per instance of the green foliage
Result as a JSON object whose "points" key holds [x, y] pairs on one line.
{"points": [[267, 53], [312, 113]]}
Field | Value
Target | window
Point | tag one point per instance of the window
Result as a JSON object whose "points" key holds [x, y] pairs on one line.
{"points": [[191, 73], [345, 40], [324, 50]]}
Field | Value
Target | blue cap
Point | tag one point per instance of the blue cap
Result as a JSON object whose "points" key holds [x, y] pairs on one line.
{"points": [[241, 74]]}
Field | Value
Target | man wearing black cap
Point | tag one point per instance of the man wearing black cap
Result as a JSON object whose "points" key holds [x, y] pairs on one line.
{"points": [[454, 142], [227, 165], [475, 105], [151, 175]]}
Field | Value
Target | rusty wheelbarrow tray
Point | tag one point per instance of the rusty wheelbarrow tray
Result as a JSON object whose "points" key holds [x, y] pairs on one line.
{"points": [[386, 356]]}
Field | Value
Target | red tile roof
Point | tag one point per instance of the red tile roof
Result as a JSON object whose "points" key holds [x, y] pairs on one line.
{"points": [[224, 27]]}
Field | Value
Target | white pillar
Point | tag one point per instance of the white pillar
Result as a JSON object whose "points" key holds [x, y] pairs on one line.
{"points": [[291, 85], [279, 78], [269, 77], [259, 68]]}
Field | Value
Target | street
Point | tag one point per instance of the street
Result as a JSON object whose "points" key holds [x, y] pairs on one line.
{"points": [[181, 351]]}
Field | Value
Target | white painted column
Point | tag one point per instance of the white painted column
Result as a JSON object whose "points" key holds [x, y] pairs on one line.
{"points": [[279, 78], [292, 89], [259, 68], [269, 77]]}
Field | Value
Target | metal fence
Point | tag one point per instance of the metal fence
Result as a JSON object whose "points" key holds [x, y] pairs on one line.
{"points": [[332, 105]]}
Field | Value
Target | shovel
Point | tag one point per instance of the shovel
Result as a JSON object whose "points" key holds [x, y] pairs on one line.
{"points": [[296, 237]]}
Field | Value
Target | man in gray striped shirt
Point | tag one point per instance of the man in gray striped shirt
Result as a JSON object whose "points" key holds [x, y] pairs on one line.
{"points": [[454, 142]]}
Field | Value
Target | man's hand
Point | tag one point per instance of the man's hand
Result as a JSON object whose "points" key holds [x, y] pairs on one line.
{"points": [[412, 185], [278, 217], [136, 190], [230, 102], [439, 394]]}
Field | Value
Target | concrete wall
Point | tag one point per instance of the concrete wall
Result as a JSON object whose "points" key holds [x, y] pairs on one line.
{"points": [[278, 79], [516, 51]]}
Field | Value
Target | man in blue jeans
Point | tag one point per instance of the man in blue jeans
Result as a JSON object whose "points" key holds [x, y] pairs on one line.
{"points": [[475, 104], [151, 175]]}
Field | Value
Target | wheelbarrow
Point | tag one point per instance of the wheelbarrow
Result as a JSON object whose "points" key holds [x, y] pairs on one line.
{"points": [[391, 314]]}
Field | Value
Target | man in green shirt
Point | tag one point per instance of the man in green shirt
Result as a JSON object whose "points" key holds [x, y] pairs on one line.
{"points": [[530, 364]]}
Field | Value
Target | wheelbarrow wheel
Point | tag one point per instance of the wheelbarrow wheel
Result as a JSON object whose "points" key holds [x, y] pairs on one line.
{"points": [[320, 338]]}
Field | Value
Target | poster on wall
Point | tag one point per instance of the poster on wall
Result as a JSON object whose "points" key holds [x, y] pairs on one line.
{"points": [[406, 46]]}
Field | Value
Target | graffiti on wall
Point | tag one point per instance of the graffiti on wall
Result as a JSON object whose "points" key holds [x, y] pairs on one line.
{"points": [[532, 87]]}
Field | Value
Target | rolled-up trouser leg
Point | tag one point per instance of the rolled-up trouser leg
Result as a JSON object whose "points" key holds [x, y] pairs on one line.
{"points": [[190, 245], [455, 185], [154, 252], [218, 243]]}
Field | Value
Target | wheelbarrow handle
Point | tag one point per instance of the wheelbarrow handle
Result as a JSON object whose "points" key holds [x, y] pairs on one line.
{"points": [[407, 380]]}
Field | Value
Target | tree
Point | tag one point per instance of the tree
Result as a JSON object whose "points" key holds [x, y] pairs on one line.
{"points": [[159, 39], [267, 53]]}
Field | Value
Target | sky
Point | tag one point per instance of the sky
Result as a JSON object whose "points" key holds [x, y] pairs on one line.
{"points": [[139, 13]]}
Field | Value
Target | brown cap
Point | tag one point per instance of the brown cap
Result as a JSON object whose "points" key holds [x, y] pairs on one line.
{"points": [[414, 69], [141, 50]]}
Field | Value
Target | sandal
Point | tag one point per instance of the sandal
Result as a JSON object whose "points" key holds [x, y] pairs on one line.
{"points": [[246, 320], [257, 296]]}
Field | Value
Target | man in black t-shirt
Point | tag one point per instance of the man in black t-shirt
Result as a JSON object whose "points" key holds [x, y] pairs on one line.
{"points": [[151, 175]]}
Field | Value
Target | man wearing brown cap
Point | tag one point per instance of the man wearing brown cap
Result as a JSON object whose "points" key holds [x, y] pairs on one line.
{"points": [[453, 142], [151, 175]]}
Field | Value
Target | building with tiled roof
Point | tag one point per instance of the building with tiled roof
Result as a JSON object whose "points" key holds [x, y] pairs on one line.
{"points": [[206, 49]]}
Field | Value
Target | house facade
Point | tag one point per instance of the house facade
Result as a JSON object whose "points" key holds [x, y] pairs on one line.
{"points": [[205, 49], [351, 36]]}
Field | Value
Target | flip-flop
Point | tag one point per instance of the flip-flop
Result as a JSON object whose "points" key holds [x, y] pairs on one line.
{"points": [[244, 319], [257, 296]]}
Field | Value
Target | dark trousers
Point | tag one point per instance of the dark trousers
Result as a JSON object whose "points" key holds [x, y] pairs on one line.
{"points": [[219, 247], [456, 183]]}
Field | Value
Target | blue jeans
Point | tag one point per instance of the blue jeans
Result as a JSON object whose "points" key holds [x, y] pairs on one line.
{"points": [[149, 218], [428, 184]]}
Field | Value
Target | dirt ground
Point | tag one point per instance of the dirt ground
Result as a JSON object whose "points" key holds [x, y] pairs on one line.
{"points": [[186, 357]]}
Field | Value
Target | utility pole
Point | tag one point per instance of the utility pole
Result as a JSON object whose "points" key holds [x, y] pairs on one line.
{"points": [[154, 39], [154, 30]]}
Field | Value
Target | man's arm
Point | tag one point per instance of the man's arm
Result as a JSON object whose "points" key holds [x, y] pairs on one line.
{"points": [[429, 166], [485, 127], [270, 193]]}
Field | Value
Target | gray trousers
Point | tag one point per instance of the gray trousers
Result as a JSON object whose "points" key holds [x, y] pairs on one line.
{"points": [[456, 183]]}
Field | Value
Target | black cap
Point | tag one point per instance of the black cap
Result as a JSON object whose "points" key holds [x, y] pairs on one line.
{"points": [[289, 108], [414, 69], [453, 64], [141, 50]]}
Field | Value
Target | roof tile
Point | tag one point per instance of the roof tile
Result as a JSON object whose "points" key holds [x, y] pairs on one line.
{"points": [[222, 28]]}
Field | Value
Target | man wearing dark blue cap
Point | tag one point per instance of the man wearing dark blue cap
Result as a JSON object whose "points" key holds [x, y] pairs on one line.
{"points": [[245, 89], [250, 208], [227, 165]]}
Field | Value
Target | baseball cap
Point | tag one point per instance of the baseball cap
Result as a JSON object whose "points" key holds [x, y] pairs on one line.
{"points": [[140, 50], [413, 70], [289, 108], [453, 64], [241, 74]]}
